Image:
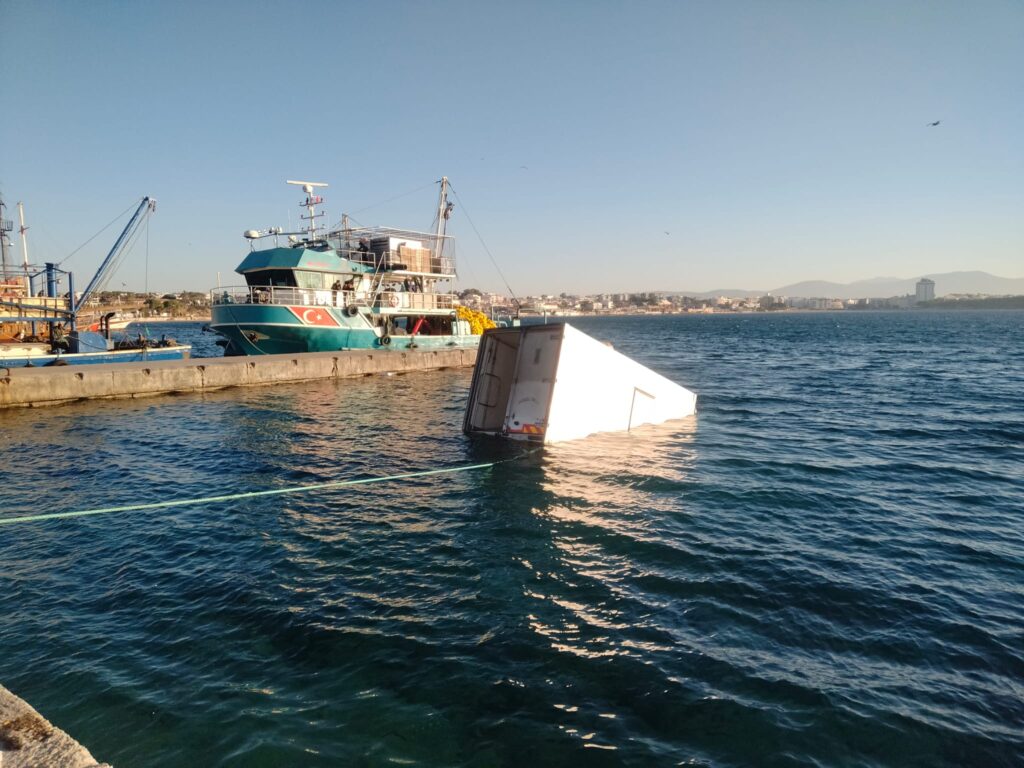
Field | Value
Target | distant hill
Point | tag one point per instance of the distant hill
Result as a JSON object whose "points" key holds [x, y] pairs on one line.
{"points": [[879, 287], [819, 289], [883, 287], [735, 292]]}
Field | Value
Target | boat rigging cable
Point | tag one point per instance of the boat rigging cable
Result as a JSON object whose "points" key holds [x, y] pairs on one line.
{"points": [[146, 285], [486, 249], [129, 245], [108, 226], [396, 197], [389, 200], [256, 494]]}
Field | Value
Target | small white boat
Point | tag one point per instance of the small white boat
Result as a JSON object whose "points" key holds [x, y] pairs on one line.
{"points": [[110, 323], [548, 383]]}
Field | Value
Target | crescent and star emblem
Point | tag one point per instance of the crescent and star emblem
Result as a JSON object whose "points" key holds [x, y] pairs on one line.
{"points": [[314, 316]]}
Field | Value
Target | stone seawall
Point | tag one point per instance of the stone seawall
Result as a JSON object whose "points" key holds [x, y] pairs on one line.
{"points": [[28, 740], [28, 387]]}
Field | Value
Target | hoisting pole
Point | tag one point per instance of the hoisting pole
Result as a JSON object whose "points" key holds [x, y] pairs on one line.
{"points": [[148, 205]]}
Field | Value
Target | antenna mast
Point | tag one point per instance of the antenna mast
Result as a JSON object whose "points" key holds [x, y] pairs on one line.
{"points": [[310, 203]]}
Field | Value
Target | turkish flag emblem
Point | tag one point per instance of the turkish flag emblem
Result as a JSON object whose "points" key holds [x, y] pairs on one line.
{"points": [[314, 316]]}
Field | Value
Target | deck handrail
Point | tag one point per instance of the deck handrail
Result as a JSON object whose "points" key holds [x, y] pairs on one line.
{"points": [[326, 297]]}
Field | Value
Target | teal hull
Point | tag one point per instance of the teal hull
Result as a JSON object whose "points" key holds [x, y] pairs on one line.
{"points": [[255, 329]]}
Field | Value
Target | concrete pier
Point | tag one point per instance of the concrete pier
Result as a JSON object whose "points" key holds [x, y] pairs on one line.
{"points": [[28, 740], [30, 387]]}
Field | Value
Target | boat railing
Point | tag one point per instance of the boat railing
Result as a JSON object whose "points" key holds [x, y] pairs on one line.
{"points": [[288, 296], [39, 308], [420, 261], [309, 297], [401, 300]]}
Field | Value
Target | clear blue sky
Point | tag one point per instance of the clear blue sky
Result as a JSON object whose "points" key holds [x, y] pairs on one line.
{"points": [[774, 141]]}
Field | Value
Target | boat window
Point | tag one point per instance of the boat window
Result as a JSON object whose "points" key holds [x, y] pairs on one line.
{"points": [[312, 280], [283, 277]]}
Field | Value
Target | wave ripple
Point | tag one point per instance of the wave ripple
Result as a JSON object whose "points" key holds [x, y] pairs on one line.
{"points": [[824, 567]]}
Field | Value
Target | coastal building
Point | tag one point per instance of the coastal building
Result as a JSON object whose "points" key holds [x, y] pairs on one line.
{"points": [[925, 289]]}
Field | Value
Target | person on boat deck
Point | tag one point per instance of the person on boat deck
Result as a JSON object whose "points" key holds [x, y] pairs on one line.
{"points": [[59, 339], [334, 291], [364, 250]]}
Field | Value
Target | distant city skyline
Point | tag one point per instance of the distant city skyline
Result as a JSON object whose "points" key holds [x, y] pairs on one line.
{"points": [[596, 147]]}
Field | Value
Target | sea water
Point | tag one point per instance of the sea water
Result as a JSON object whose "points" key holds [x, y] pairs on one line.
{"points": [[824, 567]]}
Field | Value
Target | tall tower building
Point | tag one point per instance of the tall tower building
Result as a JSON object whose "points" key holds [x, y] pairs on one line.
{"points": [[925, 289]]}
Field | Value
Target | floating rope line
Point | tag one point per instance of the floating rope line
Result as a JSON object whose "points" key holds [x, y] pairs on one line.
{"points": [[254, 494]]}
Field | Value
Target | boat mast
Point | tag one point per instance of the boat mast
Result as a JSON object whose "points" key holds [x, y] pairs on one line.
{"points": [[25, 248], [444, 210], [5, 227], [22, 229]]}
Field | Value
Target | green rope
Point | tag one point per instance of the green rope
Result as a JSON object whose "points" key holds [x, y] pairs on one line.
{"points": [[251, 494]]}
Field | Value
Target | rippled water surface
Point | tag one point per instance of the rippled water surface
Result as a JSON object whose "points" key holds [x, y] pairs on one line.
{"points": [[824, 567]]}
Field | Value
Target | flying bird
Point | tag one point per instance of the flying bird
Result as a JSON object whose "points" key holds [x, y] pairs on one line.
{"points": [[932, 125], [666, 232]]}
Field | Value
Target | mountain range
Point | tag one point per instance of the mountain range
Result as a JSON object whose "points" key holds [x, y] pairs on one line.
{"points": [[884, 287]]}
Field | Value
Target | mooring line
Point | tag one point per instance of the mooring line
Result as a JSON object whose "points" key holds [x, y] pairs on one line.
{"points": [[255, 494]]}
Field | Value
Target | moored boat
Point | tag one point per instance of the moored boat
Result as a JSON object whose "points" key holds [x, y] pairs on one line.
{"points": [[27, 354], [346, 288], [43, 324]]}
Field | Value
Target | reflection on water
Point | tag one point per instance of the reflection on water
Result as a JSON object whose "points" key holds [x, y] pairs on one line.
{"points": [[610, 477], [598, 497]]}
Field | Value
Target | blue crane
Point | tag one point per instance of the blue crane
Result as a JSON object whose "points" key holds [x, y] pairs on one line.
{"points": [[146, 206]]}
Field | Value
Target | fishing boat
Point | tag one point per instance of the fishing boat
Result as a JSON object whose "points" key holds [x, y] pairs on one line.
{"points": [[344, 288], [41, 323]]}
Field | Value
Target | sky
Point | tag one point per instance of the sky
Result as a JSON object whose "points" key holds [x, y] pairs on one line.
{"points": [[596, 146]]}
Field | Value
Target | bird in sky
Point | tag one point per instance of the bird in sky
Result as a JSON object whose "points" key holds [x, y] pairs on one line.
{"points": [[524, 167], [666, 232], [932, 125]]}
